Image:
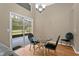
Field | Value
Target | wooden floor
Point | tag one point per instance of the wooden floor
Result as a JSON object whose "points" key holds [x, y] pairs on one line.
{"points": [[62, 50]]}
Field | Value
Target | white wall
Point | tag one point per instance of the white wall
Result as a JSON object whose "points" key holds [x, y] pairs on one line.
{"points": [[5, 10], [76, 26], [54, 20]]}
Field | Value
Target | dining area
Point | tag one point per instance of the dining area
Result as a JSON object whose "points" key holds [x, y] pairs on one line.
{"points": [[45, 47], [42, 44]]}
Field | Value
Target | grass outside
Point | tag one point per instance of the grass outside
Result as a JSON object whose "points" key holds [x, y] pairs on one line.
{"points": [[16, 32]]}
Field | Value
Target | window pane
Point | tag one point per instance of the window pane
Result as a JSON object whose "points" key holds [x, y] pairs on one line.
{"points": [[17, 26], [28, 26]]}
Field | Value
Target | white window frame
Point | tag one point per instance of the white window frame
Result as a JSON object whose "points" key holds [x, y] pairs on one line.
{"points": [[26, 17]]}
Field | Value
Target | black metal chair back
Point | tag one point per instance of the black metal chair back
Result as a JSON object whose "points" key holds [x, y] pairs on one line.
{"points": [[57, 41], [30, 37], [52, 46], [69, 36]]}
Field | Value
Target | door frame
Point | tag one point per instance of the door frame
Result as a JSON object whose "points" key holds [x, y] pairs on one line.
{"points": [[10, 25], [10, 30]]}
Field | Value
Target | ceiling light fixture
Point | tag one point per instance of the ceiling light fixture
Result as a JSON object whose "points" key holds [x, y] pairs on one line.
{"points": [[41, 6]]}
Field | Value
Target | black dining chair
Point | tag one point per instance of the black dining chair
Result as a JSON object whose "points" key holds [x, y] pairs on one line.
{"points": [[32, 41], [68, 38], [52, 46]]}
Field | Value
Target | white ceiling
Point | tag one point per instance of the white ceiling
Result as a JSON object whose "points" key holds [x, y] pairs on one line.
{"points": [[46, 4]]}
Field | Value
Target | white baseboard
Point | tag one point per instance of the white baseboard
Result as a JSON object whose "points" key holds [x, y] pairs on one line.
{"points": [[77, 52]]}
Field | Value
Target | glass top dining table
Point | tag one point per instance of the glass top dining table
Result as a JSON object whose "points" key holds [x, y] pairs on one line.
{"points": [[42, 44]]}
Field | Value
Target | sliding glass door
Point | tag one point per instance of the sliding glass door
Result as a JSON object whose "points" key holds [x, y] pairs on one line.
{"points": [[27, 29], [20, 27]]}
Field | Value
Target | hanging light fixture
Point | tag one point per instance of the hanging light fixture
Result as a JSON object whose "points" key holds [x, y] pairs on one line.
{"points": [[40, 7]]}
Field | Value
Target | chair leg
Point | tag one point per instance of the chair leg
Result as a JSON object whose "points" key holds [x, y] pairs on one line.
{"points": [[30, 47], [61, 42], [44, 51], [48, 51], [55, 52], [70, 43], [34, 49]]}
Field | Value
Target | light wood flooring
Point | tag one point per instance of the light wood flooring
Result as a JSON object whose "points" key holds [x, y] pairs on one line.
{"points": [[62, 50]]}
